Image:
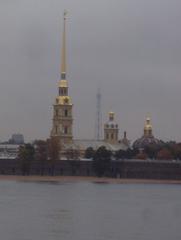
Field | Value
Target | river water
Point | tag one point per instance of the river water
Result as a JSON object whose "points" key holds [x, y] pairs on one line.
{"points": [[89, 211]]}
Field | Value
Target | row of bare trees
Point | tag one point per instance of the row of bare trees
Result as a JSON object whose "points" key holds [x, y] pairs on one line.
{"points": [[43, 152], [165, 151]]}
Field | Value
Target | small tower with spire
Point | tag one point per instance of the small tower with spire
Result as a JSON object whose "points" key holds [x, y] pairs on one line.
{"points": [[111, 130], [147, 138], [62, 108], [148, 129]]}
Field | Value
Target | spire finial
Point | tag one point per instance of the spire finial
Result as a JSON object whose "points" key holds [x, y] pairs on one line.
{"points": [[63, 60]]}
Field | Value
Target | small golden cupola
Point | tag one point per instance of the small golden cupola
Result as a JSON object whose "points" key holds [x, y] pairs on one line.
{"points": [[147, 138], [111, 130], [148, 129]]}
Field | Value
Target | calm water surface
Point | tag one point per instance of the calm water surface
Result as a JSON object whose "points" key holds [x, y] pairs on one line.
{"points": [[89, 211]]}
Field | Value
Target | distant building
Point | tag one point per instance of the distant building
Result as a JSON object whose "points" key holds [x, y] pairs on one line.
{"points": [[9, 151], [16, 139]]}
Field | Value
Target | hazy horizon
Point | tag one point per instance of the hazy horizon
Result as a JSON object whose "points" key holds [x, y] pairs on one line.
{"points": [[130, 49]]}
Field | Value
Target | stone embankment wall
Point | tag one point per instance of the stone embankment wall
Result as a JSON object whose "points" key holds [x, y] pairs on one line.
{"points": [[138, 169]]}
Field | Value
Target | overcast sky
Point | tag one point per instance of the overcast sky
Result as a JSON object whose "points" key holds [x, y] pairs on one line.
{"points": [[131, 49]]}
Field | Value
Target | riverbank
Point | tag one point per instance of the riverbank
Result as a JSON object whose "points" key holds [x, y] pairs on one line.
{"points": [[85, 179]]}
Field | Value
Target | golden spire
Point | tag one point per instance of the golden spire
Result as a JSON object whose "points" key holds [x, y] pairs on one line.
{"points": [[63, 60]]}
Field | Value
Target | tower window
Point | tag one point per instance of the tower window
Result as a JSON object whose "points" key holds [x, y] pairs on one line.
{"points": [[65, 130], [66, 112], [60, 91]]}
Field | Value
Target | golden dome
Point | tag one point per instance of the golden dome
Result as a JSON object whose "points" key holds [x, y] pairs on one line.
{"points": [[111, 116], [111, 112], [148, 137]]}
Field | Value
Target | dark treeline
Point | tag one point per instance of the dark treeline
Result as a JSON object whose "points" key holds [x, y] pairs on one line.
{"points": [[165, 151]]}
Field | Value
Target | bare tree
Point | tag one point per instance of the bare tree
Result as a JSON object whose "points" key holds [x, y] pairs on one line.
{"points": [[53, 152], [26, 156], [41, 154]]}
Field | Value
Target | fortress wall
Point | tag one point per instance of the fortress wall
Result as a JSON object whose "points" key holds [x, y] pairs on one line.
{"points": [[135, 169]]}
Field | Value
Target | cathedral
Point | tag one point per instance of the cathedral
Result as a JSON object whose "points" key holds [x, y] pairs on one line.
{"points": [[62, 127]]}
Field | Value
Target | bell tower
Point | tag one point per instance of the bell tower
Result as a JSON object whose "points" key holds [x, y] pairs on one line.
{"points": [[111, 130], [62, 108]]}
